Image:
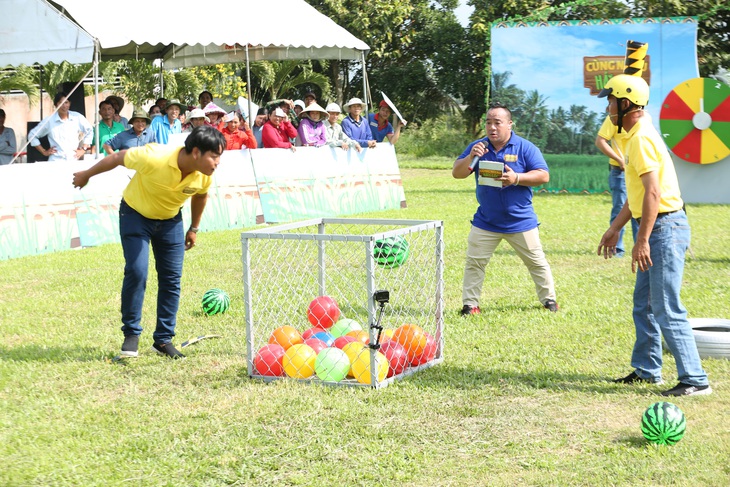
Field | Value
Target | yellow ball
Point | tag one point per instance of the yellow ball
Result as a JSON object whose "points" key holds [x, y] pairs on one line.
{"points": [[299, 361], [361, 366], [351, 350]]}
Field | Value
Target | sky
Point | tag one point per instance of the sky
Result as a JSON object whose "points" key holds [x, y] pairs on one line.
{"points": [[463, 11], [550, 59]]}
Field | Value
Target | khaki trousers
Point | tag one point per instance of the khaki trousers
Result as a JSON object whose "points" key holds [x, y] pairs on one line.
{"points": [[481, 246]]}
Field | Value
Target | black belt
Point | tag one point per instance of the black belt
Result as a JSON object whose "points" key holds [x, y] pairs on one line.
{"points": [[611, 167], [659, 215]]}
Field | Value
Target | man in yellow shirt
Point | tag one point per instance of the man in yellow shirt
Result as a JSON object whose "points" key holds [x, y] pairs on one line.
{"points": [[150, 213], [611, 143], [655, 202]]}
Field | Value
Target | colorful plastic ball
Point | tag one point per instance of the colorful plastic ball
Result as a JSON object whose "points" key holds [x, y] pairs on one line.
{"points": [[663, 423], [340, 342], [360, 335], [429, 352], [309, 332], [323, 312], [391, 251], [298, 361], [387, 334], [343, 327], [396, 355], [286, 336], [361, 366], [351, 350], [332, 365], [413, 339], [215, 301], [268, 361], [326, 337], [316, 344]]}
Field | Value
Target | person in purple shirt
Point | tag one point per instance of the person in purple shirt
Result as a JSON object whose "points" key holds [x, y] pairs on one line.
{"points": [[505, 209], [355, 126], [311, 131]]}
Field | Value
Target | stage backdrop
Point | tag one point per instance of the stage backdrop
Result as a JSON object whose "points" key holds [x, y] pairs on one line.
{"points": [[567, 63], [41, 212]]}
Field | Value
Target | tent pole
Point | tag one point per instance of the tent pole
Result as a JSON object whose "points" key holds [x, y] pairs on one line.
{"points": [[365, 90], [162, 80], [248, 91], [96, 94]]}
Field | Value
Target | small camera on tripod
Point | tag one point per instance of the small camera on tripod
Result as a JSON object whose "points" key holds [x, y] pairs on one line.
{"points": [[381, 296]]}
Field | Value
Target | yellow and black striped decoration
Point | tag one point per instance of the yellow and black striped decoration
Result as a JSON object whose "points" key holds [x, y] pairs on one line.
{"points": [[635, 54]]}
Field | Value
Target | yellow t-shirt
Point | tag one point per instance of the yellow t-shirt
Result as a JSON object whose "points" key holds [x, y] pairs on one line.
{"points": [[646, 152], [156, 190], [609, 132]]}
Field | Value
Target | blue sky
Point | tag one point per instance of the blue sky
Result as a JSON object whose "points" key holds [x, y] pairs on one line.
{"points": [[550, 59]]}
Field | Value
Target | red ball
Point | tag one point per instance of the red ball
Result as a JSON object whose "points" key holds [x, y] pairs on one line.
{"points": [[312, 331], [323, 312], [396, 355], [316, 344], [340, 342], [268, 361], [429, 352]]}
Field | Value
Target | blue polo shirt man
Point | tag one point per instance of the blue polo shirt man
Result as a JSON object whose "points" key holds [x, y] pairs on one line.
{"points": [[505, 209], [168, 124]]}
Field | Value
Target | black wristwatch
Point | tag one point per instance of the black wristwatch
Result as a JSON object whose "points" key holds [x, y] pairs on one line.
{"points": [[193, 229]]}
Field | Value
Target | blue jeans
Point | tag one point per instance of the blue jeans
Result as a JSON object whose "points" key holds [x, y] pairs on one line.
{"points": [[617, 184], [168, 245], [658, 310]]}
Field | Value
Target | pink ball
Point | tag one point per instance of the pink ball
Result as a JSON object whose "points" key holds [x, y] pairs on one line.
{"points": [[396, 355], [312, 331], [316, 344], [340, 342]]}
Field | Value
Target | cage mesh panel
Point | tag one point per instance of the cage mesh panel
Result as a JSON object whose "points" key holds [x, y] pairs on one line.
{"points": [[285, 275]]}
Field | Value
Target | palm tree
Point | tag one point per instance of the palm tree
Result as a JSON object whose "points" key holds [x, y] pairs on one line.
{"points": [[277, 78], [22, 79], [577, 118], [534, 110]]}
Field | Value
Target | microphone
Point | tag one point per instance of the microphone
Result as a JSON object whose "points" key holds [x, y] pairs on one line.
{"points": [[474, 164]]}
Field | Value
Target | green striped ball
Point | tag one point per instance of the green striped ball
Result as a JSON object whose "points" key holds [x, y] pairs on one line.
{"points": [[391, 251], [663, 423], [215, 301]]}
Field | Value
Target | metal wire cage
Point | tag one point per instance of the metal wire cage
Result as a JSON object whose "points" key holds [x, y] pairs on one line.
{"points": [[352, 261]]}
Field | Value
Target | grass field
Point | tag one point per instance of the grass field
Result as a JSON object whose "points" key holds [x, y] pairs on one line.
{"points": [[571, 173], [522, 397]]}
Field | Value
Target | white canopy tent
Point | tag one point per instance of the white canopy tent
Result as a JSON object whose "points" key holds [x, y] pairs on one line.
{"points": [[40, 31], [35, 32], [285, 29], [247, 30]]}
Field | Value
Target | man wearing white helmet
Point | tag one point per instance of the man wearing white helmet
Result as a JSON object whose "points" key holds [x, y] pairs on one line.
{"points": [[654, 200], [335, 136]]}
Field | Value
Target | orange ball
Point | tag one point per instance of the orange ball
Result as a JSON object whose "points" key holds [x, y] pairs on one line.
{"points": [[361, 336], [413, 339], [286, 336]]}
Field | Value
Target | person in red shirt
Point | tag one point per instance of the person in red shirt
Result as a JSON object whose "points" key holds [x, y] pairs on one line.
{"points": [[278, 131], [237, 133]]}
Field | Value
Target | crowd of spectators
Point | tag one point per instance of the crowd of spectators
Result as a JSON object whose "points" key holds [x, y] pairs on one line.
{"points": [[282, 123]]}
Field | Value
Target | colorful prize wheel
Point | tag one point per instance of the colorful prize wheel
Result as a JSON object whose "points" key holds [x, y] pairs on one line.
{"points": [[695, 120]]}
